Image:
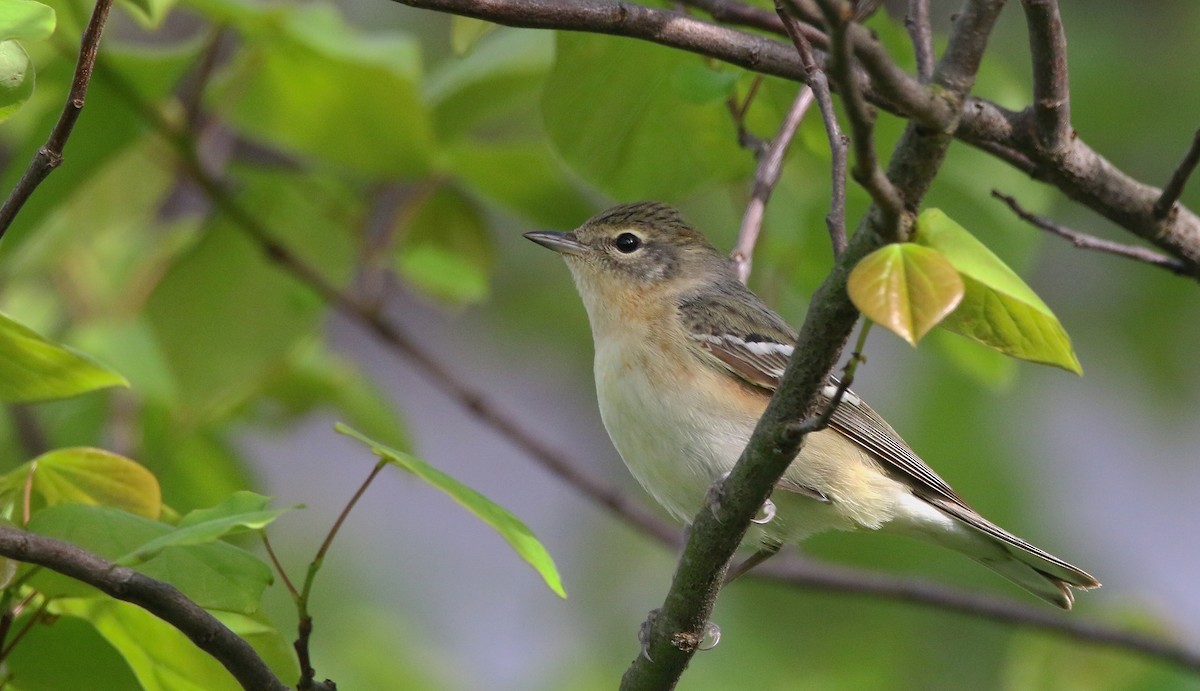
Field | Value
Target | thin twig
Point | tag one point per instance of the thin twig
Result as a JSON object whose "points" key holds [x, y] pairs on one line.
{"points": [[835, 220], [1091, 242], [921, 33], [287, 582], [866, 168], [1051, 83], [305, 625], [29, 624], [50, 155], [766, 176], [161, 599], [192, 97], [821, 420], [737, 111], [834, 578], [1174, 189]]}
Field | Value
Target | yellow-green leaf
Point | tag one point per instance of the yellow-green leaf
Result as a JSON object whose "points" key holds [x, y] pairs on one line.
{"points": [[162, 658], [998, 309], [35, 369], [241, 512], [25, 20], [16, 78], [83, 475], [906, 288], [518, 535]]}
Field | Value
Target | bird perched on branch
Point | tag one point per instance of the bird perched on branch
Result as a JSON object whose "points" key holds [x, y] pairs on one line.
{"points": [[686, 361]]}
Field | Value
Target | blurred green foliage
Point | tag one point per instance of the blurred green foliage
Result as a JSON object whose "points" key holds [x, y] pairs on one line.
{"points": [[401, 152]]}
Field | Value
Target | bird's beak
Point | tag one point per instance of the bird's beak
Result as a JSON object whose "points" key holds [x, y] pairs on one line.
{"points": [[563, 243]]}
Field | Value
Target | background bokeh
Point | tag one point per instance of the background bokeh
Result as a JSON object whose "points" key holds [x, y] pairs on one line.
{"points": [[407, 167]]}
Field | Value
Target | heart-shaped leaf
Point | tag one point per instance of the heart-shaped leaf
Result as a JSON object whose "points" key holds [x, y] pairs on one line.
{"points": [[83, 475], [906, 288]]}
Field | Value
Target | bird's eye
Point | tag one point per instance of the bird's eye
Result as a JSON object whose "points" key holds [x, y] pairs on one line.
{"points": [[627, 242]]}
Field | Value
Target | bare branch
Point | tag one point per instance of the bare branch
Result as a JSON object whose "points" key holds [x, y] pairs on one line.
{"points": [[738, 14], [766, 176], [737, 111], [1051, 84], [866, 169], [921, 33], [50, 155], [1087, 177], [1174, 188], [956, 71], [1081, 173], [1091, 242], [835, 220], [833, 578], [161, 599]]}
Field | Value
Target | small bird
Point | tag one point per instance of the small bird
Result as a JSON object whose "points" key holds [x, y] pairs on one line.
{"points": [[687, 359]]}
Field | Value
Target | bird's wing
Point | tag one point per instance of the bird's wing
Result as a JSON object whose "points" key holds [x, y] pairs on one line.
{"points": [[756, 345]]}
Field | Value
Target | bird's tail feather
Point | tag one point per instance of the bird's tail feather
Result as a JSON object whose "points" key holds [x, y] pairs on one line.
{"points": [[1030, 567]]}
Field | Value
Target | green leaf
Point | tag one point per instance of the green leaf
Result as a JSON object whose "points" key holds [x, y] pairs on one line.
{"points": [[16, 78], [989, 367], [82, 475], [108, 130], [239, 513], [226, 308], [161, 657], [313, 85], [492, 90], [444, 248], [316, 378], [906, 288], [622, 127], [151, 12], [465, 32], [500, 519], [35, 369], [998, 309], [543, 192], [25, 20], [38, 664], [216, 575]]}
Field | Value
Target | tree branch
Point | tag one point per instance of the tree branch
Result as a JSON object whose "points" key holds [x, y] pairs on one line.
{"points": [[1090, 242], [862, 116], [162, 600], [1174, 189], [832, 578], [921, 33], [835, 220], [1051, 85], [738, 14], [1081, 173], [766, 176], [50, 155]]}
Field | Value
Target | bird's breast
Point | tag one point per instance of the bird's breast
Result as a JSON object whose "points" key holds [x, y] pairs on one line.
{"points": [[667, 418]]}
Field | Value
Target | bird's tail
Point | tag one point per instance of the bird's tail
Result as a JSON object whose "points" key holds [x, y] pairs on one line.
{"points": [[1030, 567]]}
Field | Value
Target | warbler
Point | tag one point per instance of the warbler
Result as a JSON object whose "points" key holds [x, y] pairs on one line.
{"points": [[686, 359]]}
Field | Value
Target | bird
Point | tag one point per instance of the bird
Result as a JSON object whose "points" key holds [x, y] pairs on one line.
{"points": [[686, 360]]}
